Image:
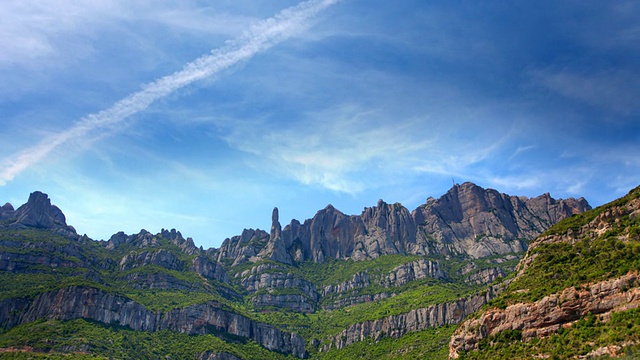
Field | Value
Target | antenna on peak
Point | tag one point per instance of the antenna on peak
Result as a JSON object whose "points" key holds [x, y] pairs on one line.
{"points": [[453, 182]]}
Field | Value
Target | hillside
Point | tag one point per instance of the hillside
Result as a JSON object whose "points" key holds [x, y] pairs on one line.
{"points": [[576, 293], [388, 281]]}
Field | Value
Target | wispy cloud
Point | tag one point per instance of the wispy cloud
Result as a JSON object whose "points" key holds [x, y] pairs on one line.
{"points": [[616, 90], [332, 148], [258, 38]]}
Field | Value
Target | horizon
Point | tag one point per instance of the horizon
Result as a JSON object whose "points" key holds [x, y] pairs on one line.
{"points": [[205, 118], [301, 220]]}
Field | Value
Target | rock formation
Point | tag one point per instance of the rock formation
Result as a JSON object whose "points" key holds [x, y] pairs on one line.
{"points": [[617, 220], [547, 315], [265, 272], [38, 212], [396, 326], [468, 221], [90, 303]]}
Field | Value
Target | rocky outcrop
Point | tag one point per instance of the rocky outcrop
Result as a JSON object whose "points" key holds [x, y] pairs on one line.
{"points": [[277, 287], [275, 248], [396, 326], [401, 275], [90, 303], [468, 221], [39, 213], [242, 248], [209, 269], [278, 280], [186, 245], [600, 225], [157, 280], [412, 271], [543, 317], [347, 300], [7, 211], [162, 258], [296, 302], [479, 222], [486, 276], [547, 315], [357, 281], [23, 255]]}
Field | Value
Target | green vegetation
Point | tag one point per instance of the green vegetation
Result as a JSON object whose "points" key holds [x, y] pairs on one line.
{"points": [[427, 344], [586, 335], [574, 222], [592, 258], [89, 263], [79, 337], [335, 271]]}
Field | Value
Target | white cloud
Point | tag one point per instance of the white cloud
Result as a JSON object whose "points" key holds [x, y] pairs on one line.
{"points": [[258, 38]]}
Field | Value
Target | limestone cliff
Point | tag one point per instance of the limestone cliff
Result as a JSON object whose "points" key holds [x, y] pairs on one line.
{"points": [[396, 326], [90, 303], [468, 221], [549, 314], [601, 245]]}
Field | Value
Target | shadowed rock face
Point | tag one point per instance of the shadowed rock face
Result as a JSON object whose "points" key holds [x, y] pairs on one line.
{"points": [[38, 212], [467, 220]]}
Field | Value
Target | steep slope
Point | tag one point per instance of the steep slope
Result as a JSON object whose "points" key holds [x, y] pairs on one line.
{"points": [[581, 274]]}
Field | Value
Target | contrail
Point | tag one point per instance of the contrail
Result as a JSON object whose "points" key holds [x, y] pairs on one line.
{"points": [[259, 37]]}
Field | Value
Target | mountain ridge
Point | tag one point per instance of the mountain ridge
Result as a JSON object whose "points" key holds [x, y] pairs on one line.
{"points": [[450, 225], [295, 289]]}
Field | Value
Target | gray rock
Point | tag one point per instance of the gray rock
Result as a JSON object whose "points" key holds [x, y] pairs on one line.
{"points": [[468, 220], [89, 303], [396, 326]]}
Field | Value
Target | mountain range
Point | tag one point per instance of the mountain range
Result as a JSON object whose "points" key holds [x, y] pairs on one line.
{"points": [[329, 286]]}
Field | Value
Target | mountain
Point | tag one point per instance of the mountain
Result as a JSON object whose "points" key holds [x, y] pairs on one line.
{"points": [[576, 293], [318, 289], [468, 220]]}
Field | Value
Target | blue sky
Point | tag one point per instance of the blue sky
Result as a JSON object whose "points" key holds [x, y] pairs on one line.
{"points": [[203, 116]]}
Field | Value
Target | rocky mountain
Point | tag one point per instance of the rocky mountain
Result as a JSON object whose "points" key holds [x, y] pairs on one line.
{"points": [[578, 280], [305, 290], [468, 220]]}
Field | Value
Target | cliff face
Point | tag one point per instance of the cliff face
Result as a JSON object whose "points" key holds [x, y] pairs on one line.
{"points": [[603, 244], [468, 221], [478, 222], [90, 303], [396, 326], [549, 314]]}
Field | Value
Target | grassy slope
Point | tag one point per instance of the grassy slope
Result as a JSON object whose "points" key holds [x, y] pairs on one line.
{"points": [[562, 265]]}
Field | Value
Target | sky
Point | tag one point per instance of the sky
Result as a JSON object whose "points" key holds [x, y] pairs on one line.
{"points": [[205, 115]]}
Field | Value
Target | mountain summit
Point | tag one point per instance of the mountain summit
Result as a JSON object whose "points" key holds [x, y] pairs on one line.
{"points": [[468, 220]]}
